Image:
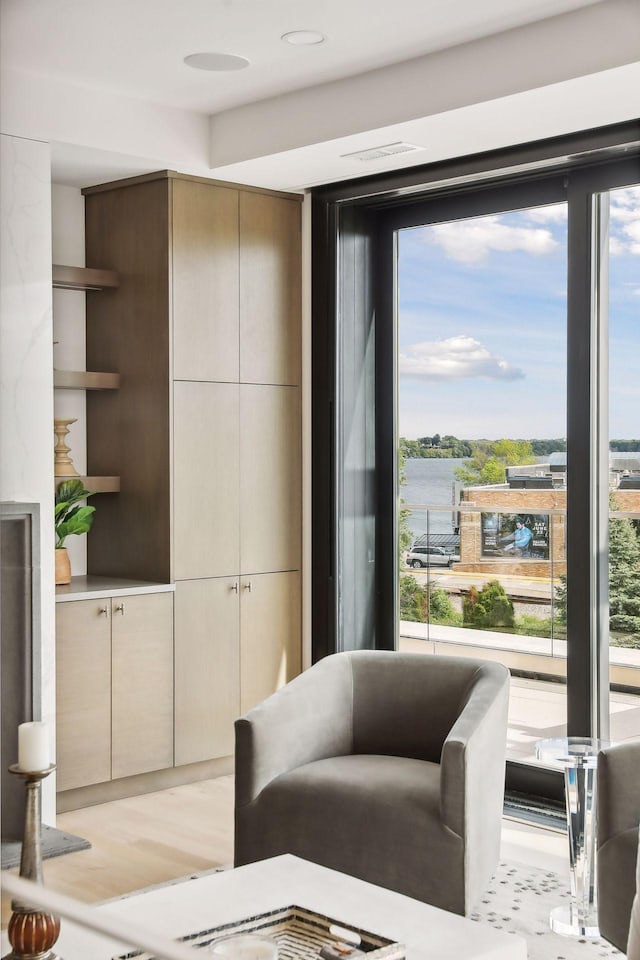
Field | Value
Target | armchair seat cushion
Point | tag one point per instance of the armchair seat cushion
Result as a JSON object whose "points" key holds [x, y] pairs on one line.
{"points": [[378, 805]]}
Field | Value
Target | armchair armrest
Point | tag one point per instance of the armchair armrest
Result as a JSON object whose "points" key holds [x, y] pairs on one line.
{"points": [[309, 719], [474, 754], [618, 790]]}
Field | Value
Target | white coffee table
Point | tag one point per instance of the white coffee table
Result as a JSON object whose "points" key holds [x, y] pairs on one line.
{"points": [[178, 909]]}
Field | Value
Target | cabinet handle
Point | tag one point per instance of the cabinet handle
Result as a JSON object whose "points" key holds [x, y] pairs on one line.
{"points": [[103, 611], [247, 586], [234, 587], [120, 608]]}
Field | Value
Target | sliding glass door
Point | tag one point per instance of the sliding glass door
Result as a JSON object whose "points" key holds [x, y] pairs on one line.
{"points": [[620, 239], [516, 411], [475, 461]]}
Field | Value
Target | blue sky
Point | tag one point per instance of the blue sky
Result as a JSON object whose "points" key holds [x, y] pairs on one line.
{"points": [[482, 328]]}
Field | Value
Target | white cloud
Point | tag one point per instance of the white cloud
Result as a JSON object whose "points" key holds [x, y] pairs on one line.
{"points": [[624, 212], [455, 358], [471, 241], [555, 213]]}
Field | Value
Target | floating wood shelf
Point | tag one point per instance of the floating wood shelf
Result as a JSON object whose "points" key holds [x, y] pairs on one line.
{"points": [[95, 484], [85, 380], [83, 278]]}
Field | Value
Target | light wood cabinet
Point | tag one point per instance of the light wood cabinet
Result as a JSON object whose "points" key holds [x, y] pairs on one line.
{"points": [[209, 294], [206, 479], [270, 289], [237, 490], [205, 271], [207, 668], [237, 642], [205, 331], [270, 653], [83, 677], [114, 665], [270, 485], [142, 683]]}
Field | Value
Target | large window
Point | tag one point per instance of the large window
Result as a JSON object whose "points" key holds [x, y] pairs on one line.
{"points": [[481, 314], [475, 333], [620, 229]]}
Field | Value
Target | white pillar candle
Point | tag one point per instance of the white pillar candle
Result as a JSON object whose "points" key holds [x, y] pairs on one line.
{"points": [[33, 746], [245, 946]]}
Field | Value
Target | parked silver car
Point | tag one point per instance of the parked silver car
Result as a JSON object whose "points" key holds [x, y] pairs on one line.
{"points": [[428, 557]]}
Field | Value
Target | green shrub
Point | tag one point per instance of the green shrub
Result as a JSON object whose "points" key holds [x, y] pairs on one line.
{"points": [[441, 609], [421, 603], [413, 599], [489, 607]]}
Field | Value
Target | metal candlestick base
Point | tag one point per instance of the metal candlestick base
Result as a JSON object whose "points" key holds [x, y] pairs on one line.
{"points": [[32, 933]]}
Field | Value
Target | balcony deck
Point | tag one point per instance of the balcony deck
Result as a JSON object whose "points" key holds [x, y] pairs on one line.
{"points": [[537, 708]]}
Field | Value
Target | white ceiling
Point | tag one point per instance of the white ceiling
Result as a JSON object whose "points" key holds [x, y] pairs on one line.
{"points": [[136, 47], [104, 82]]}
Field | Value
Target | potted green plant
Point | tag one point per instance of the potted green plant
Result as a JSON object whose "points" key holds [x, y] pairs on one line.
{"points": [[70, 517]]}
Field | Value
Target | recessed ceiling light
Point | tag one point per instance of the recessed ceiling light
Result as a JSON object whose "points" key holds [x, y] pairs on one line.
{"points": [[303, 38], [216, 61]]}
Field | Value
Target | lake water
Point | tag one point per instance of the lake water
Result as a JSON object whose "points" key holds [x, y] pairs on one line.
{"points": [[430, 481]]}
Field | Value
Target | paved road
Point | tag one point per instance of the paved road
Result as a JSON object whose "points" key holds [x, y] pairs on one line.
{"points": [[533, 587]]}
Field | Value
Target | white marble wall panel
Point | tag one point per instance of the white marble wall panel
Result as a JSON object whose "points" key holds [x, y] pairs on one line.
{"points": [[69, 340], [26, 375]]}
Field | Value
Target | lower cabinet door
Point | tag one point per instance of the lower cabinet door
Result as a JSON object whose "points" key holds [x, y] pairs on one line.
{"points": [[83, 693], [270, 634], [142, 694], [207, 665]]}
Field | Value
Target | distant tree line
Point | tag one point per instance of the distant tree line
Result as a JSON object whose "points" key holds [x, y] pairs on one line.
{"points": [[624, 446], [447, 446], [436, 447]]}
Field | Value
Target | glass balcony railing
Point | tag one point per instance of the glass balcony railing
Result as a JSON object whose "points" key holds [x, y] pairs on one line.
{"points": [[486, 575]]}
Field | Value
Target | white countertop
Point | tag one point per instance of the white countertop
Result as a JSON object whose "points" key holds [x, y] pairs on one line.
{"points": [[95, 588], [182, 908]]}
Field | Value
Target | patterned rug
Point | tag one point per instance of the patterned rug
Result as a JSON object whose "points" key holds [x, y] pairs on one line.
{"points": [[519, 900]]}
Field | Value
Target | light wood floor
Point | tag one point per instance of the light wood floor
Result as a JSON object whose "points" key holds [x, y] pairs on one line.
{"points": [[166, 835], [143, 840]]}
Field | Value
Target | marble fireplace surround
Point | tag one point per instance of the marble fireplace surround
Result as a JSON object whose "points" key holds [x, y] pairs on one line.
{"points": [[20, 645], [20, 658]]}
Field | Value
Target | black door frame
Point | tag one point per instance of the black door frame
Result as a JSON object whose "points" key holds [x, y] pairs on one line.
{"points": [[572, 168]]}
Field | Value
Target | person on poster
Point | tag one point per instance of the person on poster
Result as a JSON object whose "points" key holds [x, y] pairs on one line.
{"points": [[522, 538]]}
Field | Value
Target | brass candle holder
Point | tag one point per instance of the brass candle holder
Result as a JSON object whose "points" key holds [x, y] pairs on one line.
{"points": [[32, 933], [62, 462]]}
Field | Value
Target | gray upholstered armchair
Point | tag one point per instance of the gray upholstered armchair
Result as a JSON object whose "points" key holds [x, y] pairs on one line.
{"points": [[618, 793], [385, 766]]}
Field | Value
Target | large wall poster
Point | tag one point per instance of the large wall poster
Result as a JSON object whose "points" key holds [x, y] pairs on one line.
{"points": [[515, 535]]}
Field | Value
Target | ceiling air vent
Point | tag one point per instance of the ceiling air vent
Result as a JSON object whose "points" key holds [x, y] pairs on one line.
{"points": [[379, 153]]}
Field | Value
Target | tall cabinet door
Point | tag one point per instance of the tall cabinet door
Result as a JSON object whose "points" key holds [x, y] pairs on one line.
{"points": [[142, 683], [206, 510], [207, 668], [270, 652], [83, 687], [270, 465], [270, 289], [205, 282]]}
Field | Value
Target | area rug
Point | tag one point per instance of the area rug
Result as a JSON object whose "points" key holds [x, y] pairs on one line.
{"points": [[54, 843], [519, 899]]}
